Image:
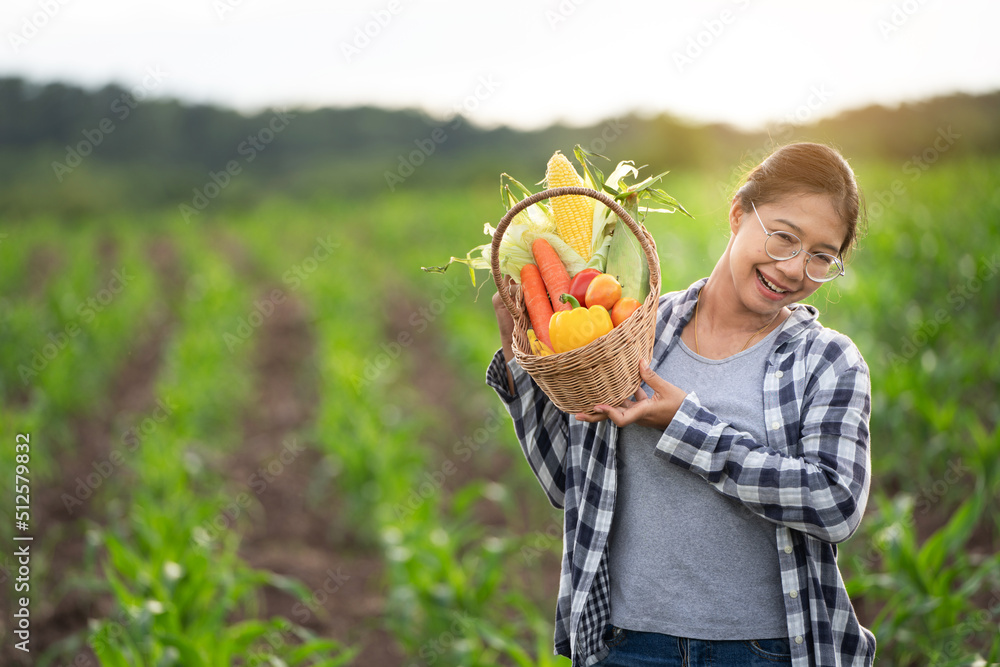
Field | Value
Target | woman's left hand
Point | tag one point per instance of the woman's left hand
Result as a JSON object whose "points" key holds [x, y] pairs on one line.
{"points": [[656, 411]]}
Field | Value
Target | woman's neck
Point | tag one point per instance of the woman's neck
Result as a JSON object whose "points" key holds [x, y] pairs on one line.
{"points": [[724, 324]]}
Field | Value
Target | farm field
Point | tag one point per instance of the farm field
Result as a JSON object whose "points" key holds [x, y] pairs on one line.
{"points": [[264, 437]]}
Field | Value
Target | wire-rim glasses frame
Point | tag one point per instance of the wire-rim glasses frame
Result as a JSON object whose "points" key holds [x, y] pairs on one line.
{"points": [[835, 264]]}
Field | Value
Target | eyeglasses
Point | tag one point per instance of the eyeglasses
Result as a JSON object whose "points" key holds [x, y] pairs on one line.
{"points": [[785, 245]]}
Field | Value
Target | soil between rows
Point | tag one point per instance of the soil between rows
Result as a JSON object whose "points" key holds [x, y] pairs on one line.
{"points": [[292, 535], [59, 611], [479, 423]]}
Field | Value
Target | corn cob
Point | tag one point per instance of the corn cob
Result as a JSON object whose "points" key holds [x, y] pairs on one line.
{"points": [[626, 259], [574, 214]]}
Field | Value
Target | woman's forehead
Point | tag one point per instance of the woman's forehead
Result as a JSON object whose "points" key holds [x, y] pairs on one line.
{"points": [[811, 217]]}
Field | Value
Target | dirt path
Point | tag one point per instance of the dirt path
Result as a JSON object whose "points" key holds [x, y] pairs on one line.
{"points": [[43, 263], [292, 535]]}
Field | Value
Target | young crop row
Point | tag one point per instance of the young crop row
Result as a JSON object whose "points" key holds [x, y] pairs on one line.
{"points": [[920, 298], [62, 323], [165, 547], [451, 586], [922, 305], [66, 310]]}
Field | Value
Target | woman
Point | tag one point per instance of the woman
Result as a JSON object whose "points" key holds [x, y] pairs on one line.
{"points": [[701, 519]]}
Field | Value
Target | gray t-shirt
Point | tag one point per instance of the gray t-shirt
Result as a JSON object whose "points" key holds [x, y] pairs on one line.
{"points": [[684, 559]]}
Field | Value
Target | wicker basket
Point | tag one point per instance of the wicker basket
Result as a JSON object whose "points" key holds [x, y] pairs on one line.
{"points": [[605, 370]]}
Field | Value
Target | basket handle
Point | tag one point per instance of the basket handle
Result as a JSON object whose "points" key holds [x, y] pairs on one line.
{"points": [[651, 258]]}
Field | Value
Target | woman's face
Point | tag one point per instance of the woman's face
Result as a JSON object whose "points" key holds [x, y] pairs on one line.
{"points": [[765, 284]]}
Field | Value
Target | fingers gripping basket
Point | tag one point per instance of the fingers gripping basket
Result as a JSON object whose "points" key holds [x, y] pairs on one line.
{"points": [[605, 370]]}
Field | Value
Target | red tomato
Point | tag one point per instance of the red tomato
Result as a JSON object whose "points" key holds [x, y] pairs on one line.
{"points": [[581, 282]]}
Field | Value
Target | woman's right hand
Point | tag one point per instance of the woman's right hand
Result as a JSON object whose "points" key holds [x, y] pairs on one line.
{"points": [[505, 322], [656, 411]]}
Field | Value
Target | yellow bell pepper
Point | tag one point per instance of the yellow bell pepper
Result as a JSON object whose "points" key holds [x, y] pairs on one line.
{"points": [[570, 329]]}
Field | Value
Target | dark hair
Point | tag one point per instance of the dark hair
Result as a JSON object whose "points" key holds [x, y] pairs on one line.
{"points": [[802, 168]]}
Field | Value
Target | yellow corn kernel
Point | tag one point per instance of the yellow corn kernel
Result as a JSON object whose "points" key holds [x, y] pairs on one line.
{"points": [[574, 214]]}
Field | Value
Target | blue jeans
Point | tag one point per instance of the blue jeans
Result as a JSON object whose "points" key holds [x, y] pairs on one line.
{"points": [[650, 649]]}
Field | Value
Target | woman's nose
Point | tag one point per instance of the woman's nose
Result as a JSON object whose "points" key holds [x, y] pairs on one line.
{"points": [[794, 267]]}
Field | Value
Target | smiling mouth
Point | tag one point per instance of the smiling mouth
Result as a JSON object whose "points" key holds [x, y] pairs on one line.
{"points": [[769, 285]]}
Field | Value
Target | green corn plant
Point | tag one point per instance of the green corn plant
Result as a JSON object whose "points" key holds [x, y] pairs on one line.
{"points": [[926, 589], [182, 596]]}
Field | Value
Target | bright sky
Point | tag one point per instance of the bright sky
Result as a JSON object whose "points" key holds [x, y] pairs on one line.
{"points": [[519, 62]]}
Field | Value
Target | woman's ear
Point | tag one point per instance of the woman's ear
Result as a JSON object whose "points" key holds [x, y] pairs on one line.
{"points": [[735, 215]]}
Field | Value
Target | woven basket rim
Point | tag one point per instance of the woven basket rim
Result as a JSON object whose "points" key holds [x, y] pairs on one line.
{"points": [[549, 371], [638, 230]]}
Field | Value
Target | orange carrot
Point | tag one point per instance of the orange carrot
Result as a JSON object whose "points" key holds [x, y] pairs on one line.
{"points": [[553, 272], [536, 301]]}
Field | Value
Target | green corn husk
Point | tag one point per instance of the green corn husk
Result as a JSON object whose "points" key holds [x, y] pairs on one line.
{"points": [[626, 259]]}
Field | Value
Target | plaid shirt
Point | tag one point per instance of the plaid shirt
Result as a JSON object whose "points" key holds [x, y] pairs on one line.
{"points": [[811, 479]]}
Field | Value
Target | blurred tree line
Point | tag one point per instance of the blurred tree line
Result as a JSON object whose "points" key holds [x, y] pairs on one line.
{"points": [[73, 152]]}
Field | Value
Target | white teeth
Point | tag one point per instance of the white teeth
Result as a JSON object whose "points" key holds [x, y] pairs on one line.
{"points": [[771, 286]]}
